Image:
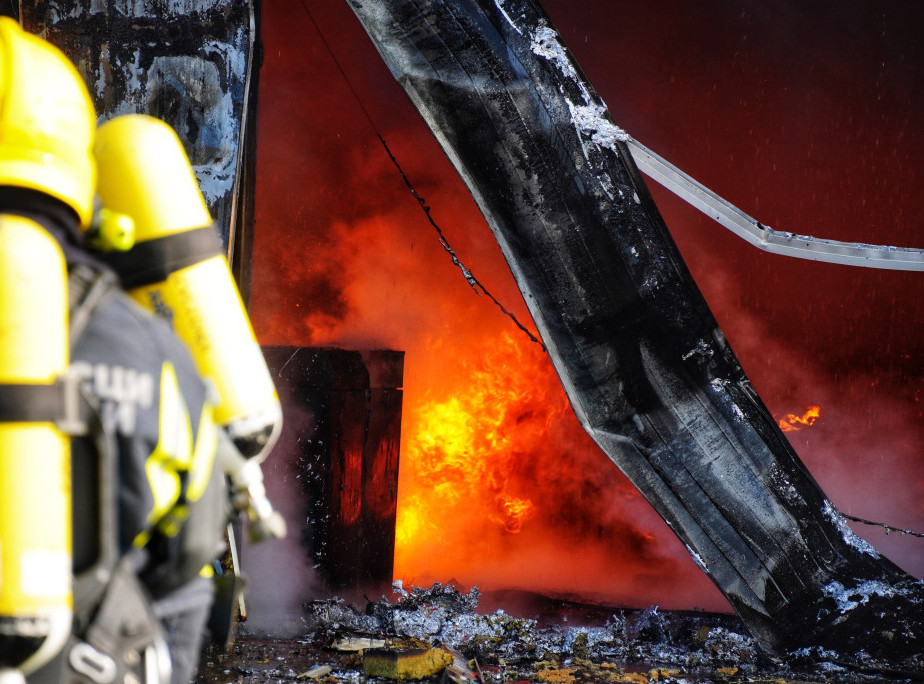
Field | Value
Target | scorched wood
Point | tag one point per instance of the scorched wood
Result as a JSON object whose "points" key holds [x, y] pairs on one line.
{"points": [[644, 363], [188, 63], [342, 414]]}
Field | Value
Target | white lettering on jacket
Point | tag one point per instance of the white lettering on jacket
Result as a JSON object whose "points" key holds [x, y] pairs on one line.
{"points": [[121, 390]]}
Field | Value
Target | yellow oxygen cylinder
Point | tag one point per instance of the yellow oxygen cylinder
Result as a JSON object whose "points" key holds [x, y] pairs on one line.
{"points": [[35, 488], [177, 269]]}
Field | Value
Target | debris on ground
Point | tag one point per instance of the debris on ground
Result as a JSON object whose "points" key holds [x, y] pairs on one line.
{"points": [[435, 634], [352, 643], [316, 672]]}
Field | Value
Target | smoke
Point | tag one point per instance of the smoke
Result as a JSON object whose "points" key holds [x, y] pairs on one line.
{"points": [[864, 448], [279, 575]]}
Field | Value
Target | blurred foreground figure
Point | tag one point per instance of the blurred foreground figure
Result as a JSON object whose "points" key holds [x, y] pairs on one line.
{"points": [[106, 539]]}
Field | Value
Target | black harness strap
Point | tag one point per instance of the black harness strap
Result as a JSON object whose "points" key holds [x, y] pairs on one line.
{"points": [[23, 403], [154, 260], [61, 401]]}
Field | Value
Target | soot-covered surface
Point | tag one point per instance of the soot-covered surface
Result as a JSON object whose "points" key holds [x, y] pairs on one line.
{"points": [[546, 641]]}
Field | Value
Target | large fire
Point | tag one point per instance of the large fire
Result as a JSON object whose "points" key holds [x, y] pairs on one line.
{"points": [[500, 487]]}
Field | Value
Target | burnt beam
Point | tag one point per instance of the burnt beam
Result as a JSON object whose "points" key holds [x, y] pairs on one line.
{"points": [[645, 365]]}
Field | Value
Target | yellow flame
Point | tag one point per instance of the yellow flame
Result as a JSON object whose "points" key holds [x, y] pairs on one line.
{"points": [[459, 453], [791, 422]]}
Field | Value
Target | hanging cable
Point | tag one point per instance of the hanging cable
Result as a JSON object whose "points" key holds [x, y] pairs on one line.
{"points": [[473, 282], [888, 528]]}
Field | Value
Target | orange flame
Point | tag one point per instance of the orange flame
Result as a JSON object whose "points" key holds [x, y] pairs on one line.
{"points": [[515, 512], [464, 454], [791, 422], [496, 471], [460, 451]]}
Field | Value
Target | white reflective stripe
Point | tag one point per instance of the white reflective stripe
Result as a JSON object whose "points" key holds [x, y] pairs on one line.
{"points": [[173, 451], [178, 465], [157, 665], [203, 455], [764, 237]]}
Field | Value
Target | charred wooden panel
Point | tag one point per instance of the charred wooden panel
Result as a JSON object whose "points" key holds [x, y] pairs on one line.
{"points": [[645, 365], [183, 62], [380, 455], [347, 454]]}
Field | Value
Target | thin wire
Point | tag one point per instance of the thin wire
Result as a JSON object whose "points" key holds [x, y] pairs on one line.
{"points": [[340, 68], [473, 282], [888, 528]]}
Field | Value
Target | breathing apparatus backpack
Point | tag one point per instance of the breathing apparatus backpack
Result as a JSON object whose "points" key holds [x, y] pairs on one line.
{"points": [[177, 270], [35, 527], [48, 175]]}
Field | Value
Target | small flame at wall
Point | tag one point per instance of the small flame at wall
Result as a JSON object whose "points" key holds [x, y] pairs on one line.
{"points": [[791, 422]]}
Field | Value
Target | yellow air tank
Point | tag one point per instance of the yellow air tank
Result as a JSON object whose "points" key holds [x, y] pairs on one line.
{"points": [[35, 496], [47, 124], [177, 270]]}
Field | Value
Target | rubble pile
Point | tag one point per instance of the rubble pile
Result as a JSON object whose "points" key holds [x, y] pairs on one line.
{"points": [[436, 634]]}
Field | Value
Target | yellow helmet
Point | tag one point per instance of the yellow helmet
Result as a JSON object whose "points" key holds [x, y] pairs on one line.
{"points": [[47, 121]]}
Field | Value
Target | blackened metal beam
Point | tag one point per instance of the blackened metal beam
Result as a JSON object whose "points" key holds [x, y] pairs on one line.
{"points": [[644, 363]]}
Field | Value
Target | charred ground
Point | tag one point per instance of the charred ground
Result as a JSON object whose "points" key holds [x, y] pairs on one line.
{"points": [[554, 641]]}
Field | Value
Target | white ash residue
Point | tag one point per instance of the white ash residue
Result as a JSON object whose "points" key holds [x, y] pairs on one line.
{"points": [[545, 42], [591, 120], [728, 646], [690, 646], [704, 352], [442, 615], [848, 534], [336, 614], [608, 642], [848, 599], [824, 663], [588, 115]]}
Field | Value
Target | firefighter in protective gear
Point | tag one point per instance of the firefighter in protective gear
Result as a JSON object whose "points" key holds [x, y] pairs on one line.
{"points": [[148, 506]]}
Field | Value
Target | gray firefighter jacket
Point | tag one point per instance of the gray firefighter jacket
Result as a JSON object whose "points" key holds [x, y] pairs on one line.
{"points": [[154, 408]]}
